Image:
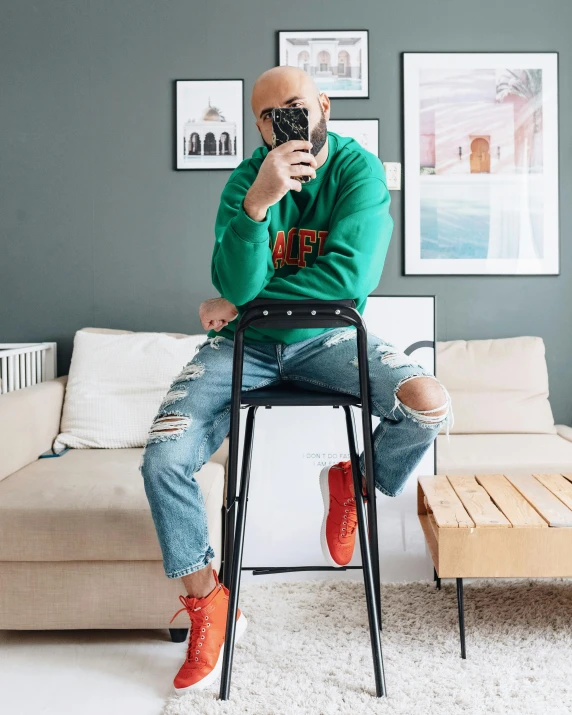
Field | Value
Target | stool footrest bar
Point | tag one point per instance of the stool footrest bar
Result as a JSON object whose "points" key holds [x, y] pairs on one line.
{"points": [[257, 571]]}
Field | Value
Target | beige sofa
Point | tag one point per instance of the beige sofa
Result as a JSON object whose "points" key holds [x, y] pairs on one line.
{"points": [[78, 548]]}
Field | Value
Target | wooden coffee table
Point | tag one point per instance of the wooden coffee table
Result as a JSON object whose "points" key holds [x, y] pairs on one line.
{"points": [[495, 525]]}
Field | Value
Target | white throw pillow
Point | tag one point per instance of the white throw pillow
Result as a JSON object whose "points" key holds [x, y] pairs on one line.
{"points": [[117, 381], [499, 385]]}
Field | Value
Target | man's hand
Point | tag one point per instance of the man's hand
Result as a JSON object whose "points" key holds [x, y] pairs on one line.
{"points": [[216, 313], [273, 180]]}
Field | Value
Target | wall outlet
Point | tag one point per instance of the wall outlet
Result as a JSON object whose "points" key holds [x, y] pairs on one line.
{"points": [[393, 175]]}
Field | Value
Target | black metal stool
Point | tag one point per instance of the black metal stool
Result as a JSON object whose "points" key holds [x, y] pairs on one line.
{"points": [[299, 314]]}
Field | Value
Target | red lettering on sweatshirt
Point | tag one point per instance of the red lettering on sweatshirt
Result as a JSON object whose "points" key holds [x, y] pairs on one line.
{"points": [[304, 240], [291, 260], [322, 236], [305, 233], [279, 250]]}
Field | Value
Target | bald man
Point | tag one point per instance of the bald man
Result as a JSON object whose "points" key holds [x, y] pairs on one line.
{"points": [[277, 237]]}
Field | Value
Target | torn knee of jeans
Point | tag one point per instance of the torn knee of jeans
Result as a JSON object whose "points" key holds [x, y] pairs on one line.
{"points": [[427, 419], [216, 341], [394, 357], [339, 336], [173, 395], [191, 371], [168, 426]]}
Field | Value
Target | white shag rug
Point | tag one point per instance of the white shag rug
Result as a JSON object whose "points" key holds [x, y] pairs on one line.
{"points": [[307, 650]]}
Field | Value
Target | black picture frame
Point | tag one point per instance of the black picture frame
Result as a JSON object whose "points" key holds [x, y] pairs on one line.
{"points": [[178, 145]]}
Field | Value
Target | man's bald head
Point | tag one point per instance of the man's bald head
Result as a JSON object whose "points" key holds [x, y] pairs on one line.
{"points": [[287, 86], [280, 79]]}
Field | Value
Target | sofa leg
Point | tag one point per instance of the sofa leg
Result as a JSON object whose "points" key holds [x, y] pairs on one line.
{"points": [[178, 635]]}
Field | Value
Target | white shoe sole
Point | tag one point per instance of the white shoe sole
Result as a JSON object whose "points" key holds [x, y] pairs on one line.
{"points": [[324, 488], [241, 625]]}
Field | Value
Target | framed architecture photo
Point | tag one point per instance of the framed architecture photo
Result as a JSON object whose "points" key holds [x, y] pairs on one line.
{"points": [[338, 60], [481, 163], [209, 123], [364, 131]]}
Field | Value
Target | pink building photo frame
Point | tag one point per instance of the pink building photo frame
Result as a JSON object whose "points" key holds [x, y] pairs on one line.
{"points": [[481, 163]]}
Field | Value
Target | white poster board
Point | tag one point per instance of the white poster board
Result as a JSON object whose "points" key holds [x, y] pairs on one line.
{"points": [[292, 445]]}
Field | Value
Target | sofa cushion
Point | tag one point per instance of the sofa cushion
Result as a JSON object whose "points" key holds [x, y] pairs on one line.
{"points": [[116, 383], [90, 504], [503, 454], [496, 386]]}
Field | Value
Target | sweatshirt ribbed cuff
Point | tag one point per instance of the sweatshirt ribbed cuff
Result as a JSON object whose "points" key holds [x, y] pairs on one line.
{"points": [[248, 229]]}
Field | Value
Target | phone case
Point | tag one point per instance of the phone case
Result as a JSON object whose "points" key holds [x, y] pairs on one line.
{"points": [[290, 123]]}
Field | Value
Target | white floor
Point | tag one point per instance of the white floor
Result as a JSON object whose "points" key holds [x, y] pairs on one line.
{"points": [[87, 672]]}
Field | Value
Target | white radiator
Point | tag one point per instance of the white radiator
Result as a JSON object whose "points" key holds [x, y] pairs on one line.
{"points": [[25, 364]]}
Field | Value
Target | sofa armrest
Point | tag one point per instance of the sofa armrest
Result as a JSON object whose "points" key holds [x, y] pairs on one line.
{"points": [[29, 423], [564, 431]]}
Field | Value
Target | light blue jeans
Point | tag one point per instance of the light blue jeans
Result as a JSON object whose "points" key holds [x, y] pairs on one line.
{"points": [[194, 418]]}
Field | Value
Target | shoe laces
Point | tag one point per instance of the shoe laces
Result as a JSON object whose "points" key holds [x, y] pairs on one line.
{"points": [[349, 522], [200, 624]]}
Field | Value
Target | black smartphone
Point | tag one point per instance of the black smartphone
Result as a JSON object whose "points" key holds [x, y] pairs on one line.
{"points": [[291, 123]]}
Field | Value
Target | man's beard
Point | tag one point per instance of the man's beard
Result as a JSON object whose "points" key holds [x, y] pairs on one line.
{"points": [[318, 135]]}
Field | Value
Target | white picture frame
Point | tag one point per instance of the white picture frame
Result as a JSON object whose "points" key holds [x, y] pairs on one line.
{"points": [[338, 60], [481, 163], [364, 131], [209, 123]]}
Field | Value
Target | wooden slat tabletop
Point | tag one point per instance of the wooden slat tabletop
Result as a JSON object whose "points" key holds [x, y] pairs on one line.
{"points": [[497, 500], [477, 501], [447, 509], [510, 501], [559, 486], [542, 499]]}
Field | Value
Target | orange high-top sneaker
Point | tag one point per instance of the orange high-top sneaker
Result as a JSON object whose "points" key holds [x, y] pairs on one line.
{"points": [[203, 661], [339, 526]]}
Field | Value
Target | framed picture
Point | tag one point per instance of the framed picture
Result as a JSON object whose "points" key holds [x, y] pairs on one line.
{"points": [[364, 131], [481, 163], [338, 60], [209, 123]]}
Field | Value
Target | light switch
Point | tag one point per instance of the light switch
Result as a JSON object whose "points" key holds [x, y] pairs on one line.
{"points": [[393, 175]]}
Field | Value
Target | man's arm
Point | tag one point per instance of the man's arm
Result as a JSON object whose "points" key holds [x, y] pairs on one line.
{"points": [[242, 260], [355, 248]]}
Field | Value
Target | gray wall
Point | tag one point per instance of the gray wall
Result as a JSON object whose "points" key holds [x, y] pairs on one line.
{"points": [[97, 229]]}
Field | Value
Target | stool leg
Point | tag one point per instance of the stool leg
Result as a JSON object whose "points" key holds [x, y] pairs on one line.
{"points": [[374, 543], [366, 558], [232, 471], [436, 579], [236, 563], [372, 508], [228, 529], [367, 431]]}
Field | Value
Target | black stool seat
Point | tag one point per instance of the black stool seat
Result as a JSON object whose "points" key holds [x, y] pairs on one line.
{"points": [[287, 394]]}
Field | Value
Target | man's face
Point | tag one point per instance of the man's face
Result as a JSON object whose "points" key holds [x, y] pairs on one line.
{"points": [[292, 98]]}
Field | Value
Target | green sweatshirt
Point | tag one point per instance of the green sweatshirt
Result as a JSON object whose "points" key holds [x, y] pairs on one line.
{"points": [[328, 241]]}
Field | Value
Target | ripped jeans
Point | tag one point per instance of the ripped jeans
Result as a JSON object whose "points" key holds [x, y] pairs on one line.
{"points": [[194, 418]]}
